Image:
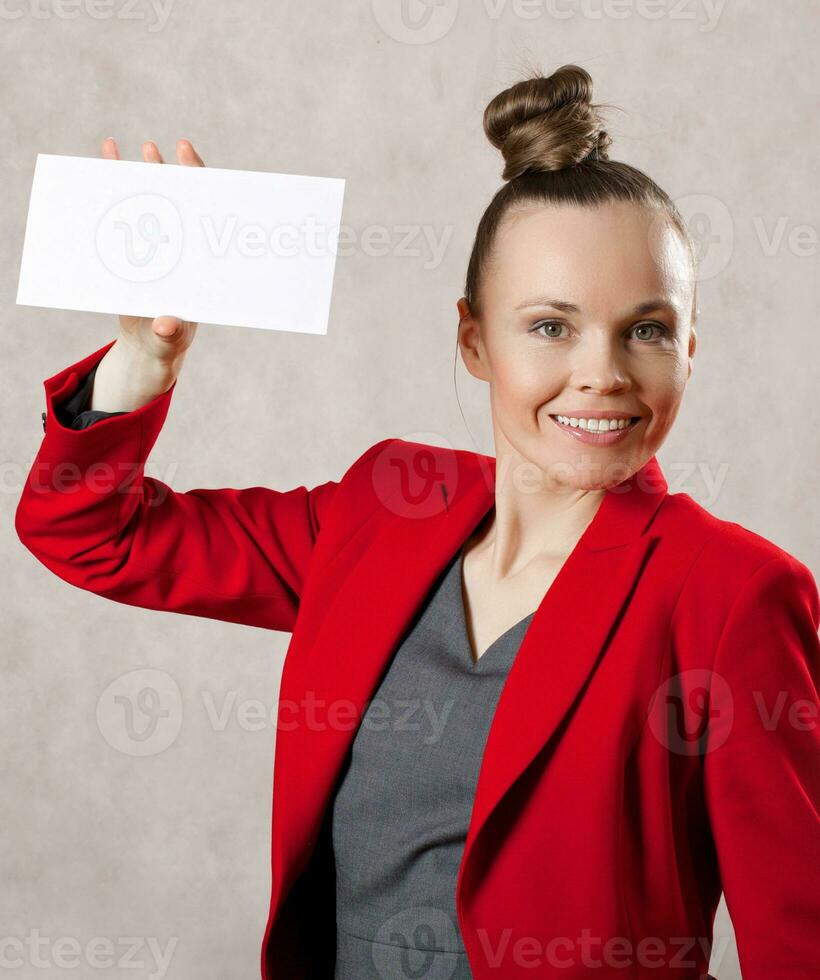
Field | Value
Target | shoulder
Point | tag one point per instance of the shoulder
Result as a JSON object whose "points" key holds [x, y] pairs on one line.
{"points": [[735, 576], [385, 468], [723, 547]]}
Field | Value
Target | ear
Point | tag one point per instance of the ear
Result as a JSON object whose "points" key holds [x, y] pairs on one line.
{"points": [[693, 343], [470, 343]]}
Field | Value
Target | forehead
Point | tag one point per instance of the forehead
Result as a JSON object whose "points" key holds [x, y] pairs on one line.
{"points": [[592, 256]]}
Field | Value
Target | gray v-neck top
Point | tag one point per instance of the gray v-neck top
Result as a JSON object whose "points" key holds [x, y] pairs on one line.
{"points": [[402, 807]]}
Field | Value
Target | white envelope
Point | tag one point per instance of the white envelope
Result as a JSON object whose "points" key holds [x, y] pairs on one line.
{"points": [[235, 247]]}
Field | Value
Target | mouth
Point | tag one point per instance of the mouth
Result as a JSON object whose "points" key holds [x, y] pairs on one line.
{"points": [[600, 432]]}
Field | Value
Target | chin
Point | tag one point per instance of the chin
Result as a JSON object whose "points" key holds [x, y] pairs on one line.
{"points": [[595, 469]]}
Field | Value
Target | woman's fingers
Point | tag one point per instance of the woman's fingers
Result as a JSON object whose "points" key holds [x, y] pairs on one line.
{"points": [[150, 152], [109, 149], [187, 155]]}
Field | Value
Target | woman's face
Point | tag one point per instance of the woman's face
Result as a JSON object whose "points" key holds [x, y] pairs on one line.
{"points": [[584, 312]]}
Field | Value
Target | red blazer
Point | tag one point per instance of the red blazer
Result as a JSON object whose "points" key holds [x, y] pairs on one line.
{"points": [[656, 739]]}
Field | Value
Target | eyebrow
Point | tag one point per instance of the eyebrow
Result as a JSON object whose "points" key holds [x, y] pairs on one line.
{"points": [[648, 306]]}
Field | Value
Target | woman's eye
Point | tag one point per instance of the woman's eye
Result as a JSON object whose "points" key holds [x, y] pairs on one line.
{"points": [[552, 328], [648, 327]]}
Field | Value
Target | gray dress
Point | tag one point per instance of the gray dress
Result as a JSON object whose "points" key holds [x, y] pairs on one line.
{"points": [[402, 807]]}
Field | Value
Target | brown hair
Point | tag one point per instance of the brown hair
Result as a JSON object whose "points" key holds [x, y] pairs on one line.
{"points": [[555, 152]]}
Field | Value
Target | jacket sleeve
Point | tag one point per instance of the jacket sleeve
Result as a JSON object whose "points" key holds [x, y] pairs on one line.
{"points": [[762, 770], [90, 515]]}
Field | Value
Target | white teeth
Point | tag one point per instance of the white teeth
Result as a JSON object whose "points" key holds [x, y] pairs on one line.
{"points": [[594, 425]]}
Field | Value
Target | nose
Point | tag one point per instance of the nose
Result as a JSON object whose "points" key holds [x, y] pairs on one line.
{"points": [[599, 368]]}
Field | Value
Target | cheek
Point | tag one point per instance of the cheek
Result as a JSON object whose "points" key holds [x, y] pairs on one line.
{"points": [[665, 384], [524, 383], [520, 398]]}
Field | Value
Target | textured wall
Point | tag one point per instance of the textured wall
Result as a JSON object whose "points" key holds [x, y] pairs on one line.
{"points": [[100, 842]]}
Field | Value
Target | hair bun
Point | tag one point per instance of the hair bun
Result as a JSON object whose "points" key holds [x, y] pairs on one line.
{"points": [[546, 123]]}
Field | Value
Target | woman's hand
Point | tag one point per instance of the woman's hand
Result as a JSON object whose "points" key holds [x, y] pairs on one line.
{"points": [[164, 338], [146, 357]]}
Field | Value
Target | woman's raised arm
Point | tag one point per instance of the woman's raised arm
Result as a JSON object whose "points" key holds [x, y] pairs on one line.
{"points": [[90, 515]]}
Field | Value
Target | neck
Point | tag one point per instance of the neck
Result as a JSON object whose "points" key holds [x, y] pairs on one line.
{"points": [[531, 521]]}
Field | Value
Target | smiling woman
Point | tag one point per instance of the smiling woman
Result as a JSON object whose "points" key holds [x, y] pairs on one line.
{"points": [[639, 737], [580, 299]]}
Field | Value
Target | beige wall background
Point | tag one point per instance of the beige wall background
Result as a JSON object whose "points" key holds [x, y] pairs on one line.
{"points": [[719, 102]]}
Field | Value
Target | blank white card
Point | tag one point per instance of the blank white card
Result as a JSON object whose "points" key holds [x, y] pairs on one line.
{"points": [[235, 247]]}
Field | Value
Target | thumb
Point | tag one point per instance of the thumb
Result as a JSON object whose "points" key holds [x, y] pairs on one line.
{"points": [[167, 327]]}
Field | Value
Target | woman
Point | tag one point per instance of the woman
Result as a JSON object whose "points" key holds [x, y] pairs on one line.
{"points": [[536, 711]]}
